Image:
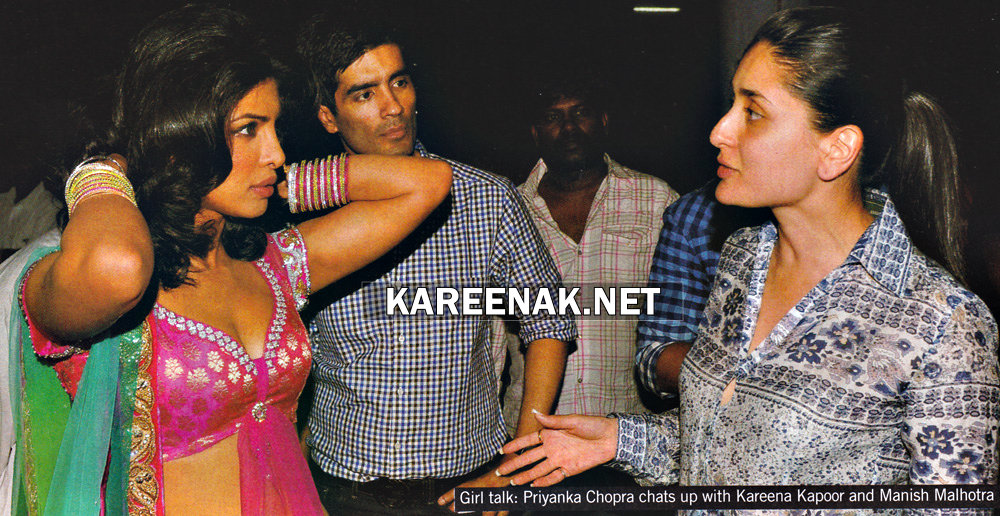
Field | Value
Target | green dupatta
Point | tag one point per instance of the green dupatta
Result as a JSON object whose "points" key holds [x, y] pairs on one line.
{"points": [[63, 448]]}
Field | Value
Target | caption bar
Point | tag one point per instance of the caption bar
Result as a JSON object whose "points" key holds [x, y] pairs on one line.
{"points": [[727, 497]]}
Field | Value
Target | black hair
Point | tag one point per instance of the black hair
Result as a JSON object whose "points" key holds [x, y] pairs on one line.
{"points": [[185, 74], [841, 73], [331, 42], [560, 84]]}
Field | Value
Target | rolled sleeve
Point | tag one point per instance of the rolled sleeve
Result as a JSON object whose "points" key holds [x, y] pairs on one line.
{"points": [[523, 261]]}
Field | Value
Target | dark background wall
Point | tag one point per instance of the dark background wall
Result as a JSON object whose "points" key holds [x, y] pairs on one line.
{"points": [[667, 75], [472, 60]]}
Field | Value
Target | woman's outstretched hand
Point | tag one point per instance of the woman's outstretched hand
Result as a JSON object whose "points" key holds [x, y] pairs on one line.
{"points": [[565, 446]]}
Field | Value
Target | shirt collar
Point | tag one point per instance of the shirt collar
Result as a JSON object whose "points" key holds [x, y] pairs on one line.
{"points": [[885, 249], [419, 149], [530, 186]]}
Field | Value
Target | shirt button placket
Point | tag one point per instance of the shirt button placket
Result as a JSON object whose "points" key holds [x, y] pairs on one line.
{"points": [[396, 339]]}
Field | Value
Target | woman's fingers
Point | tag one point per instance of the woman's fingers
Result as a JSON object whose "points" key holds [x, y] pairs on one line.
{"points": [[557, 475], [525, 441], [525, 459], [563, 438], [556, 422], [545, 473]]}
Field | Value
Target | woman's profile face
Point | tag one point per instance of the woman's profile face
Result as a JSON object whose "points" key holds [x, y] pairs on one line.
{"points": [[768, 150], [256, 153]]}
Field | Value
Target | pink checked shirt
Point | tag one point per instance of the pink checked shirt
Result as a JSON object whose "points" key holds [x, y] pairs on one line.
{"points": [[616, 250]]}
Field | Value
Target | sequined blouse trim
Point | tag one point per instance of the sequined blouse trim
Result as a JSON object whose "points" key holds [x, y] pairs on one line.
{"points": [[294, 256], [222, 339]]}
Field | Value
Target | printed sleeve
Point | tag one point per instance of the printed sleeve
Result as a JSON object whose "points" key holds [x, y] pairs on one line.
{"points": [[293, 254], [521, 260], [680, 272], [952, 405], [649, 447]]}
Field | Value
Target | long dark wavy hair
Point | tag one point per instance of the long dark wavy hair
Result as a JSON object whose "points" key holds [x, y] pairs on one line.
{"points": [[837, 68], [185, 74]]}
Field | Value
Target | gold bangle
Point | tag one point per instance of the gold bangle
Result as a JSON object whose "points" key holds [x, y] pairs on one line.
{"points": [[89, 179]]}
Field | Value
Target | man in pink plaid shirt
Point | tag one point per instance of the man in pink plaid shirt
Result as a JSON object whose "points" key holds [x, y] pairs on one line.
{"points": [[600, 220]]}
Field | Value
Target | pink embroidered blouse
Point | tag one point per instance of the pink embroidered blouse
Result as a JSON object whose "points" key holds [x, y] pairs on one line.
{"points": [[208, 388]]}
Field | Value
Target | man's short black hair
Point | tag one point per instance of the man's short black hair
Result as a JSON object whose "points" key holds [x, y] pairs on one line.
{"points": [[558, 84], [330, 42]]}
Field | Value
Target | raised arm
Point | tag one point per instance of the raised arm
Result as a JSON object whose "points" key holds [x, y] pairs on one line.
{"points": [[101, 271], [389, 197]]}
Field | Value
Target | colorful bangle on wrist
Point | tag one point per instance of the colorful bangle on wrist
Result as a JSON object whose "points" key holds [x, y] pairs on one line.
{"points": [[317, 184], [92, 178]]}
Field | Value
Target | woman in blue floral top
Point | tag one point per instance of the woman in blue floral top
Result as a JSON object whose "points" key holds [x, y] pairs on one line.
{"points": [[834, 351]]}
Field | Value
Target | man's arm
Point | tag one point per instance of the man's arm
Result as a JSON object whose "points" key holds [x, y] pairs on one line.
{"points": [[521, 260], [544, 365], [683, 267], [668, 366]]}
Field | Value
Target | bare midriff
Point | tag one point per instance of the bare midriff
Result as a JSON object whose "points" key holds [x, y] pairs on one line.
{"points": [[207, 482]]}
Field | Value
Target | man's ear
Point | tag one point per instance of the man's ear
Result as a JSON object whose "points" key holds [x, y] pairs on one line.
{"points": [[327, 119], [604, 123], [841, 148], [534, 134]]}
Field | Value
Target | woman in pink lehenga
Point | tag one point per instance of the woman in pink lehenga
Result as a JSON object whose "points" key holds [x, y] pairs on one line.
{"points": [[173, 326]]}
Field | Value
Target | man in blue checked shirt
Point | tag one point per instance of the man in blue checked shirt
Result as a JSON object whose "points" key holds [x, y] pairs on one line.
{"points": [[406, 407], [694, 229]]}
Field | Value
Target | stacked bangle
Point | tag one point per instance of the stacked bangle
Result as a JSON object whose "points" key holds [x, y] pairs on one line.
{"points": [[96, 177], [317, 184]]}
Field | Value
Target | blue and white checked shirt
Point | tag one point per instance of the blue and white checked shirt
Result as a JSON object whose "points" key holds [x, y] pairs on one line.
{"points": [[684, 262], [415, 396]]}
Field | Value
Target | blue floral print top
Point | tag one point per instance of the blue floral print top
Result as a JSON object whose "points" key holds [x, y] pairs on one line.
{"points": [[884, 373]]}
